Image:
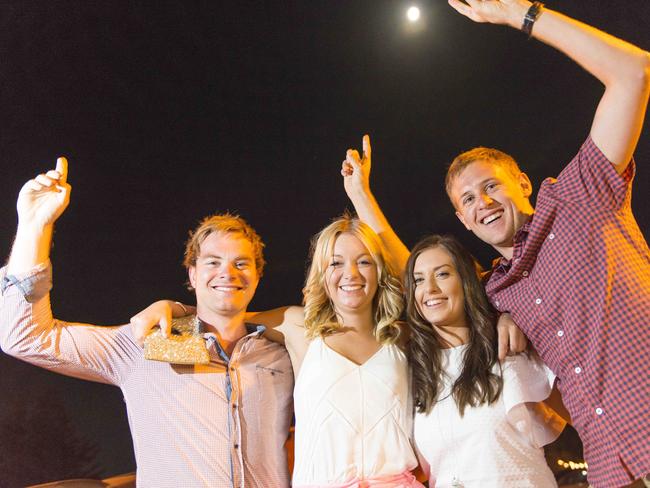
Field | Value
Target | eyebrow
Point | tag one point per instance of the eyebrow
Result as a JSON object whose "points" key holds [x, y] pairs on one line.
{"points": [[365, 254], [215, 256], [434, 269], [481, 183]]}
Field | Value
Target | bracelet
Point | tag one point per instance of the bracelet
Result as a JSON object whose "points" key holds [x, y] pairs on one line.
{"points": [[183, 307], [531, 16]]}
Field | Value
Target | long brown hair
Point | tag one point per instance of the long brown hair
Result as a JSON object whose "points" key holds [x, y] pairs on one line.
{"points": [[477, 384]]}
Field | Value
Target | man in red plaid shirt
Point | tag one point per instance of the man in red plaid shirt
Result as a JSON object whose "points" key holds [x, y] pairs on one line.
{"points": [[574, 272]]}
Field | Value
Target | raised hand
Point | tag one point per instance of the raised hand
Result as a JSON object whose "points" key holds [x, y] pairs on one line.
{"points": [[356, 170], [42, 200], [511, 12]]}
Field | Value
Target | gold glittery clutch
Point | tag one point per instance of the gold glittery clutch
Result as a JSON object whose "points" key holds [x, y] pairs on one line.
{"points": [[185, 345]]}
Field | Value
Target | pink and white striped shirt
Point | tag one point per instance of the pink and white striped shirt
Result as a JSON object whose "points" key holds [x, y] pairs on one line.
{"points": [[219, 425]]}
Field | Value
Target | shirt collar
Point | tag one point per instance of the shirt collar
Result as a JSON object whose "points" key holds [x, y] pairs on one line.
{"points": [[251, 329], [503, 264]]}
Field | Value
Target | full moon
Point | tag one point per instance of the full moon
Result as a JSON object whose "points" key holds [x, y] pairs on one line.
{"points": [[413, 14]]}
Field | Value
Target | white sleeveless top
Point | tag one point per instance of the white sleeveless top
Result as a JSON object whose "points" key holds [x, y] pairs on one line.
{"points": [[491, 446], [352, 422]]}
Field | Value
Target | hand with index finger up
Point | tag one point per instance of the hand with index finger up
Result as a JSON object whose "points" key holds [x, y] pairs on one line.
{"points": [[356, 170], [42, 200]]}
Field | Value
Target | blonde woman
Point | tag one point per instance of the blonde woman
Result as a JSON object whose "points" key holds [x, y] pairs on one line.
{"points": [[352, 403]]}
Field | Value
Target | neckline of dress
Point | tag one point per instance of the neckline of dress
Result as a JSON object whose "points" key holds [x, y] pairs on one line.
{"points": [[456, 349], [347, 359]]}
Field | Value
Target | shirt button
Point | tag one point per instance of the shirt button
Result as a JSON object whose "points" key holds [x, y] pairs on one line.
{"points": [[560, 333], [599, 411], [578, 370], [538, 301], [524, 273], [551, 236], [496, 304], [236, 446]]}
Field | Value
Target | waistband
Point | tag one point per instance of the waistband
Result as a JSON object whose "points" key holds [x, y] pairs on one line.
{"points": [[402, 480]]}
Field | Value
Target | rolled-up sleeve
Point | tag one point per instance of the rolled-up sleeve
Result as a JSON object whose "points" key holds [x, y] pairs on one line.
{"points": [[29, 332]]}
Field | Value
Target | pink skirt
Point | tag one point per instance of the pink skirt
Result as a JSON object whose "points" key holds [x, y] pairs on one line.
{"points": [[403, 480]]}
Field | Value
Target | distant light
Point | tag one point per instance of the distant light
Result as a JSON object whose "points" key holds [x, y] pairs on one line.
{"points": [[413, 14]]}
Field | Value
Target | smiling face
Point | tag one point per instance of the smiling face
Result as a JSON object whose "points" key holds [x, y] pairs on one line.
{"points": [[492, 203], [351, 276], [225, 276], [438, 291]]}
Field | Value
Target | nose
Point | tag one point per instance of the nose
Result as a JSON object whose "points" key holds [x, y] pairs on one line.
{"points": [[432, 286], [485, 200], [350, 271], [227, 271]]}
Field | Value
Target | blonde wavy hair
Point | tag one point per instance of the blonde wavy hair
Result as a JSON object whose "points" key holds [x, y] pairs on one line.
{"points": [[388, 304]]}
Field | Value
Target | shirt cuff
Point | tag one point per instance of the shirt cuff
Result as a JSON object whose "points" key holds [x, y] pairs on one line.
{"points": [[32, 284], [590, 148]]}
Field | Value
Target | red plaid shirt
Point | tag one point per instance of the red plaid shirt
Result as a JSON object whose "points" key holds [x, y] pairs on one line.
{"points": [[578, 285]]}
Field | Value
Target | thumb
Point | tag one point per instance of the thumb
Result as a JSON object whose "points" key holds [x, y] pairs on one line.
{"points": [[503, 344], [166, 323]]}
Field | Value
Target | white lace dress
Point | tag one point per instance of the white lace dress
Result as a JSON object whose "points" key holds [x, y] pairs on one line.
{"points": [[497, 446], [353, 422]]}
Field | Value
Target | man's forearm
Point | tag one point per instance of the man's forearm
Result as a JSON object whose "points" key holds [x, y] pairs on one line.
{"points": [[31, 247], [623, 68], [606, 57]]}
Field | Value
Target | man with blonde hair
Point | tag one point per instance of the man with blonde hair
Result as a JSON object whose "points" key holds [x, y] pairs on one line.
{"points": [[214, 425]]}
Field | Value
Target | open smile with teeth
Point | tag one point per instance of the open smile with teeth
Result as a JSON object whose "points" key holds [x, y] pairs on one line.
{"points": [[491, 218], [351, 287], [433, 302], [226, 288]]}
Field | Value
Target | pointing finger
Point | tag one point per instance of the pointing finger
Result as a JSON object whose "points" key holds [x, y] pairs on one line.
{"points": [[366, 147], [62, 169]]}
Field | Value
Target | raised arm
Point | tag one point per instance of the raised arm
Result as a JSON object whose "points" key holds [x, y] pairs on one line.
{"points": [[356, 180], [28, 330], [624, 69], [41, 202]]}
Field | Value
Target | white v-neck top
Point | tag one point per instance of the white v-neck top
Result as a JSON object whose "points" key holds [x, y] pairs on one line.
{"points": [[352, 421], [491, 446]]}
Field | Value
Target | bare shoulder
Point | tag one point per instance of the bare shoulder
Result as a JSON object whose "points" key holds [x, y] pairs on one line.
{"points": [[295, 316], [293, 322], [295, 338]]}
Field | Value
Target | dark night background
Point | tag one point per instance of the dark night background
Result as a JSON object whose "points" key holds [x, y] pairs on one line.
{"points": [[171, 110]]}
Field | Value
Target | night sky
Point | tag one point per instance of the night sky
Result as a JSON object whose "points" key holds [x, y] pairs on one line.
{"points": [[171, 110]]}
